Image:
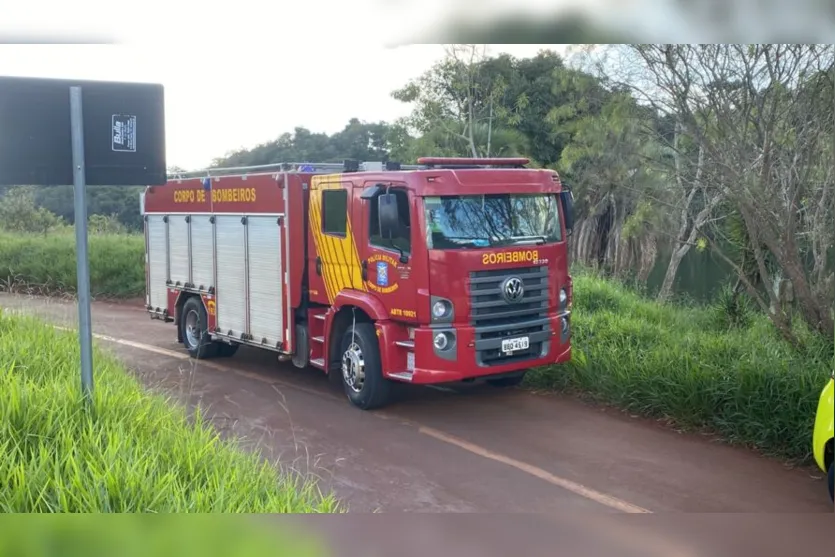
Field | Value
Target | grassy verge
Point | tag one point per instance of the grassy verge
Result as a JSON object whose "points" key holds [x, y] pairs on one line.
{"points": [[132, 452], [687, 366], [135, 535], [45, 265]]}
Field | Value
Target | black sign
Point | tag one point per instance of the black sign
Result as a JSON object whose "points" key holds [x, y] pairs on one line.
{"points": [[124, 132]]}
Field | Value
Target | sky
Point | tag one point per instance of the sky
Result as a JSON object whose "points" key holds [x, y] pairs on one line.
{"points": [[224, 97], [242, 72]]}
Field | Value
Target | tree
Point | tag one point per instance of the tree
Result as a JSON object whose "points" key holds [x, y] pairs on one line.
{"points": [[19, 213], [461, 105], [760, 119], [358, 140], [622, 202]]}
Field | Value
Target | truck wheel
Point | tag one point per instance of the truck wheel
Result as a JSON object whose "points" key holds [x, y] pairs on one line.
{"points": [[194, 330], [361, 368], [510, 381], [831, 489]]}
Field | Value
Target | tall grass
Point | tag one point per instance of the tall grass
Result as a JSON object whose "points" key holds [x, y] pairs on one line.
{"points": [[39, 264], [129, 452], [696, 367]]}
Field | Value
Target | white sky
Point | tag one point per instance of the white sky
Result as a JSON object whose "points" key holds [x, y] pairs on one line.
{"points": [[240, 93], [238, 73], [241, 72]]}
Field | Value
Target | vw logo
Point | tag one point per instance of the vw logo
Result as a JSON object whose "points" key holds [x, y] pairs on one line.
{"points": [[513, 289]]}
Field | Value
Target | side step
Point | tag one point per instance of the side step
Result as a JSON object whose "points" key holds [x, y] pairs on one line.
{"points": [[318, 363]]}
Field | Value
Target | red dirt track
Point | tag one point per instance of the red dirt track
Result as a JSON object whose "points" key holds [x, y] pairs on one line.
{"points": [[464, 449]]}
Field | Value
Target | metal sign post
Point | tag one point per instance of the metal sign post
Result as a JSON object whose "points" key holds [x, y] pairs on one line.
{"points": [[82, 260], [112, 135]]}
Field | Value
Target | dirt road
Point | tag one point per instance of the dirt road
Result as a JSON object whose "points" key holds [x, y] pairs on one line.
{"points": [[473, 449]]}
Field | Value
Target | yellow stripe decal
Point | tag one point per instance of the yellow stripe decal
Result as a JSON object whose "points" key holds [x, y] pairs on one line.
{"points": [[316, 228], [340, 257]]}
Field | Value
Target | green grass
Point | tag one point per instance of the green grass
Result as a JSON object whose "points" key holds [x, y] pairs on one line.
{"points": [[146, 535], [130, 452], [688, 366], [37, 264]]}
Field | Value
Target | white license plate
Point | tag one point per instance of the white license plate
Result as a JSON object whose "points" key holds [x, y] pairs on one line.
{"points": [[512, 345]]}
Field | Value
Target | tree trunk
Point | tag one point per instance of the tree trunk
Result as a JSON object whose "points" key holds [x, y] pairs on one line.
{"points": [[816, 314], [648, 252], [666, 291], [471, 123], [490, 129]]}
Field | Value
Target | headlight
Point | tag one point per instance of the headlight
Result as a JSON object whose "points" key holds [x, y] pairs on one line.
{"points": [[441, 341], [563, 297], [440, 309]]}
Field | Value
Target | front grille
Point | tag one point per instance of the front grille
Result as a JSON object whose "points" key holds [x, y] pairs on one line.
{"points": [[496, 319]]}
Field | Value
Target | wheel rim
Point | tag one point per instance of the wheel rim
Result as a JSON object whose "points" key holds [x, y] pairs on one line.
{"points": [[192, 329], [353, 368]]}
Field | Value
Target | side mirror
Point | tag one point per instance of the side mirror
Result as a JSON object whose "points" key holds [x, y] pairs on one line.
{"points": [[567, 202], [389, 217]]}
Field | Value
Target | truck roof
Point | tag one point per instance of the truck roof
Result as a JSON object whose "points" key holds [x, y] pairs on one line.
{"points": [[431, 176]]}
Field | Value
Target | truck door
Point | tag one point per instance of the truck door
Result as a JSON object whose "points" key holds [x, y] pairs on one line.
{"points": [[386, 263], [333, 263]]}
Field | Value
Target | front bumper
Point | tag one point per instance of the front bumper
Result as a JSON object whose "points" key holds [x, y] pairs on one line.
{"points": [[464, 358]]}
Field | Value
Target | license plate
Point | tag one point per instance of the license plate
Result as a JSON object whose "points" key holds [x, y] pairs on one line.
{"points": [[512, 345]]}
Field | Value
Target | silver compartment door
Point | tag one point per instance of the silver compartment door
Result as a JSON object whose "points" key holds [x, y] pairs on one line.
{"points": [[202, 252], [178, 244], [230, 238], [266, 306], [157, 230]]}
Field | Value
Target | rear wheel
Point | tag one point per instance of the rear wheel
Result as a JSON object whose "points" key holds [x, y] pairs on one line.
{"points": [[362, 369], [194, 330], [509, 381]]}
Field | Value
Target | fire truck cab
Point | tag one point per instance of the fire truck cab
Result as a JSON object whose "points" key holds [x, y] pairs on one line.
{"points": [[448, 270]]}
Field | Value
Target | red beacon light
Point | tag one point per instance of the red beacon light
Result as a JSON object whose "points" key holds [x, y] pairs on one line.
{"points": [[464, 162]]}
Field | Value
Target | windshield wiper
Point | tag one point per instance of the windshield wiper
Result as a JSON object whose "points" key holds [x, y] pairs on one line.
{"points": [[475, 241], [517, 240]]}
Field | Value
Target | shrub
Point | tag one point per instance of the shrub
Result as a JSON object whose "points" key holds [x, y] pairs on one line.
{"points": [[684, 365]]}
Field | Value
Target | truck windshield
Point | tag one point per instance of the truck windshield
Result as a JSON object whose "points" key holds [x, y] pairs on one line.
{"points": [[480, 221]]}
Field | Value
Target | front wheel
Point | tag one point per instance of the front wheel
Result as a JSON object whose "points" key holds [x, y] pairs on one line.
{"points": [[362, 369]]}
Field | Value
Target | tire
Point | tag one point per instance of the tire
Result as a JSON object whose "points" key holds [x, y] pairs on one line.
{"points": [[510, 381], [361, 368], [831, 478], [195, 332]]}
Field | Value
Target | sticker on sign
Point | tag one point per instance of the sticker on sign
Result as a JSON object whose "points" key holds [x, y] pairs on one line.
{"points": [[512, 345], [124, 133]]}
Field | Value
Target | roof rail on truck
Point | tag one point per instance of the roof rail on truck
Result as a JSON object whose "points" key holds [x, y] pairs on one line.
{"points": [[311, 167], [347, 166], [249, 169]]}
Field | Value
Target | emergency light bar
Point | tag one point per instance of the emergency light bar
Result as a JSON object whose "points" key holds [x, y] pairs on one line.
{"points": [[459, 162]]}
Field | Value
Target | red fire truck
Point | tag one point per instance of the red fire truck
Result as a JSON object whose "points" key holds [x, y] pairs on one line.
{"points": [[448, 270]]}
